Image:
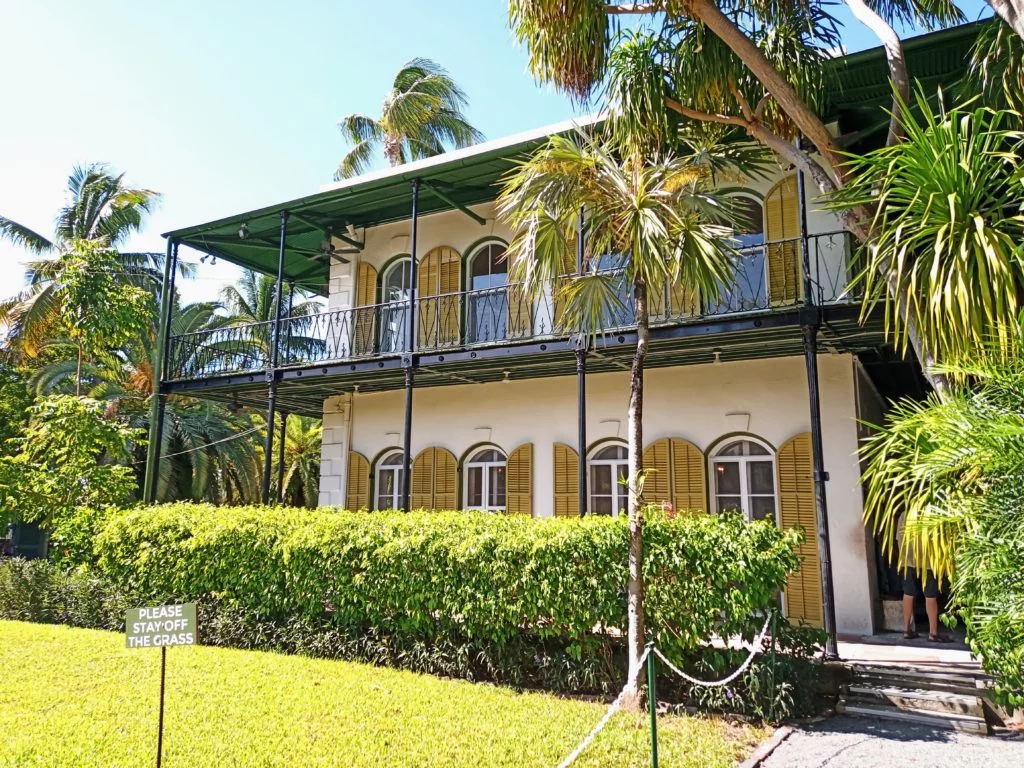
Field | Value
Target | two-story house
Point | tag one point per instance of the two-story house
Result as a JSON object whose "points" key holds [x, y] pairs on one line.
{"points": [[453, 377]]}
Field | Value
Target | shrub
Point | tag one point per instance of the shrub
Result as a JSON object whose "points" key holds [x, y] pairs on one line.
{"points": [[435, 576], [37, 590]]}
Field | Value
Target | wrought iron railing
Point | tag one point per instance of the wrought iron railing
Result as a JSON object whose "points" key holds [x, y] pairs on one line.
{"points": [[767, 277]]}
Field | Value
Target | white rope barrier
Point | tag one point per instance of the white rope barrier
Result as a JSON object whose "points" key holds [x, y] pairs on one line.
{"points": [[612, 709], [615, 705], [757, 645]]}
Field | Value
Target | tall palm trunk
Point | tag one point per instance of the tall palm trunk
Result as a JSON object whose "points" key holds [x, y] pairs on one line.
{"points": [[634, 427]]}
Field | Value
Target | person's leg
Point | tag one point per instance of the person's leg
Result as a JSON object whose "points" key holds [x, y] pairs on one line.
{"points": [[931, 604], [909, 593]]}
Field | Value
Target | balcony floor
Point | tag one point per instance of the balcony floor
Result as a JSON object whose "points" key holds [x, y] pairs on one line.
{"points": [[303, 389]]}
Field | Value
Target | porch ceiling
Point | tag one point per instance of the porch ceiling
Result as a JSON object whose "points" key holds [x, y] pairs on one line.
{"points": [[471, 176], [304, 390]]}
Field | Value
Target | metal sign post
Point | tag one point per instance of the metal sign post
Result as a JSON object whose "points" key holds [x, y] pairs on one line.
{"points": [[161, 626], [652, 700]]}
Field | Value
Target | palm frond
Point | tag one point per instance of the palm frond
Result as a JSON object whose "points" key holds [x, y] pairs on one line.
{"points": [[23, 237]]}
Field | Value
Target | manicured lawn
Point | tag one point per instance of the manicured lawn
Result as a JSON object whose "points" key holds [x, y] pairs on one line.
{"points": [[79, 697]]}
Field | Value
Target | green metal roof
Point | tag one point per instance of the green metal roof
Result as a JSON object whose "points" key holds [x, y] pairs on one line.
{"points": [[470, 176]]}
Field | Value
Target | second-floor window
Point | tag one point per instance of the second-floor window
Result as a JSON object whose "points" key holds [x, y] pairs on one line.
{"points": [[748, 290], [487, 312], [395, 306]]}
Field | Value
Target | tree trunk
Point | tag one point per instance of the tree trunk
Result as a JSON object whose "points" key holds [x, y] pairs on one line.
{"points": [[1012, 12], [78, 374], [634, 427]]}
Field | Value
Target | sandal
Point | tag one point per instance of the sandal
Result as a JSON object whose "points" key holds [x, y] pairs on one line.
{"points": [[910, 635], [940, 639]]}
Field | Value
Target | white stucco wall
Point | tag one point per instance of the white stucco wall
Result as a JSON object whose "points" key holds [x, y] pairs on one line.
{"points": [[767, 398]]}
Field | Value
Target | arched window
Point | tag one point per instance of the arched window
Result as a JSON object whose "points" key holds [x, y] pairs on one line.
{"points": [[485, 472], [389, 479], [608, 468], [748, 290], [395, 300], [743, 478], [488, 297]]}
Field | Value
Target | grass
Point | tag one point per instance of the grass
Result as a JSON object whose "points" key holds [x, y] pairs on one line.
{"points": [[79, 697]]}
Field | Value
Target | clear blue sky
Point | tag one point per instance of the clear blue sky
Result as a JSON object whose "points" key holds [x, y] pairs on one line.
{"points": [[227, 106]]}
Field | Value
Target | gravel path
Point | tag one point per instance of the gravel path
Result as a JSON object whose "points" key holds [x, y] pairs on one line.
{"points": [[849, 742]]}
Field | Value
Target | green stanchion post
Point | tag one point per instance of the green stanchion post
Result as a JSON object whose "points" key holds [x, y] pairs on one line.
{"points": [[652, 702]]}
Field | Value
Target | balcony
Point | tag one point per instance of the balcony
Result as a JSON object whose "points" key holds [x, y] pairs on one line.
{"points": [[769, 278]]}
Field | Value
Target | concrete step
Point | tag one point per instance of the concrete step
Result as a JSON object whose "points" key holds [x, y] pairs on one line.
{"points": [[943, 702], [964, 723], [951, 681]]}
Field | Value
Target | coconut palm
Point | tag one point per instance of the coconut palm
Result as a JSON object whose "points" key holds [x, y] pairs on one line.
{"points": [[422, 117], [103, 210], [651, 215]]}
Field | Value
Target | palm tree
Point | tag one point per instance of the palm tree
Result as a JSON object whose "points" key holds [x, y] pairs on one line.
{"points": [[102, 210], [655, 216], [422, 116], [303, 436], [206, 455], [949, 229]]}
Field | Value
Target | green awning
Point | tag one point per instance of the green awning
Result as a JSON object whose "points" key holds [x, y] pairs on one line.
{"points": [[471, 176]]}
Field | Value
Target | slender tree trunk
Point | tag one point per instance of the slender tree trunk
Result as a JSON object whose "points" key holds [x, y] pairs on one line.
{"points": [[78, 374], [1012, 12], [634, 427]]}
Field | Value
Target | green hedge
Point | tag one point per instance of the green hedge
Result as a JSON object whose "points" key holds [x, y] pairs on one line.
{"points": [[440, 577]]}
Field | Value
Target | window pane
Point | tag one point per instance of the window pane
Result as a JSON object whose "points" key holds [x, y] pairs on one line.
{"points": [[760, 478], [612, 452], [601, 505], [474, 487], [753, 449], [732, 449], [762, 507], [729, 504], [496, 487], [727, 477], [601, 479]]}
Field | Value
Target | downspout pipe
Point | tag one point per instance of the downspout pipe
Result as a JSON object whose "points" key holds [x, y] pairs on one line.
{"points": [[810, 323], [408, 359]]}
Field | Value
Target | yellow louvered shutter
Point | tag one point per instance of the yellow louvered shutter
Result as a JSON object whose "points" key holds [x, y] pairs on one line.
{"points": [[439, 282], [366, 296], [446, 479], [797, 510], [422, 492], [567, 481], [658, 481], [782, 233], [689, 476], [519, 481], [358, 489]]}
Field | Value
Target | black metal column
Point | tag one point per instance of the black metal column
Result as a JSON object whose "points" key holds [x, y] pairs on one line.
{"points": [[810, 323], [280, 457], [275, 336], [409, 358], [151, 481], [581, 387]]}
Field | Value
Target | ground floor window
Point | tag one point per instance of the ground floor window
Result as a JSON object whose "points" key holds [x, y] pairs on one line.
{"points": [[485, 473], [390, 477], [743, 478], [608, 470]]}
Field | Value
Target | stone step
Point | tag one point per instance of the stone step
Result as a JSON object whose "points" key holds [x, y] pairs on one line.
{"points": [[943, 702], [964, 723], [952, 681]]}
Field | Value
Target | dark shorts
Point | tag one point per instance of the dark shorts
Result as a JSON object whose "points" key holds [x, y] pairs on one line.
{"points": [[912, 584]]}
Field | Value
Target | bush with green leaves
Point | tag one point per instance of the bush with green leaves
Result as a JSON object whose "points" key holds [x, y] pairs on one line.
{"points": [[433, 576]]}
